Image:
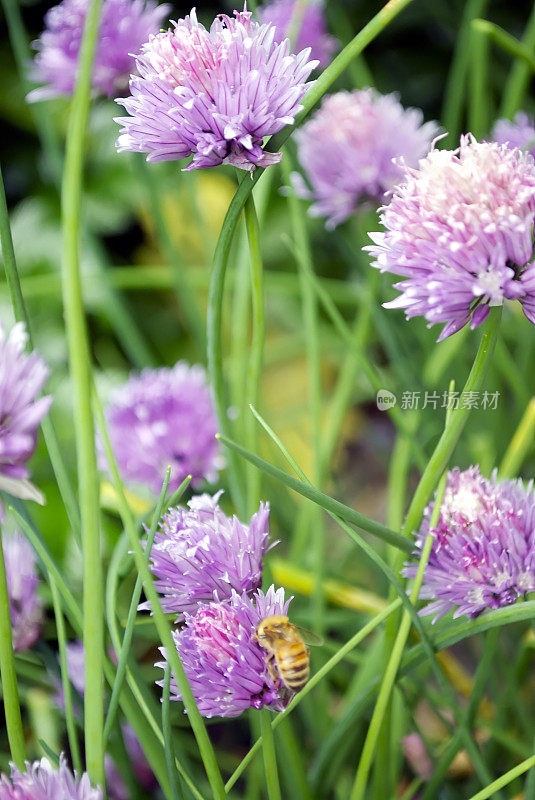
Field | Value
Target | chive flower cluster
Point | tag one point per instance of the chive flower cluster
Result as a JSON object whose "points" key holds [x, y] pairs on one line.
{"points": [[483, 553], [351, 151], [22, 377], [124, 26], [208, 570], [164, 418], [213, 94], [199, 554], [459, 230], [41, 781]]}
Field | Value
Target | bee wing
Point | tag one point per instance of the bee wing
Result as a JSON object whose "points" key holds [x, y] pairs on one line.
{"points": [[310, 638]]}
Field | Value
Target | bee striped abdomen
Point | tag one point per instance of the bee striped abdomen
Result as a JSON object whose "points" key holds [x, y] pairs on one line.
{"points": [[294, 666]]}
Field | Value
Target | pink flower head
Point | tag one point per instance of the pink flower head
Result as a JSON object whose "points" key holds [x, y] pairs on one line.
{"points": [[459, 230], [348, 150], [483, 553], [224, 664], [164, 418], [22, 377], [214, 94], [41, 781], [199, 554], [124, 26]]}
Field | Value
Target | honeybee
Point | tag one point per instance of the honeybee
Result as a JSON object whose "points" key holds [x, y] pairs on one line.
{"points": [[288, 654]]}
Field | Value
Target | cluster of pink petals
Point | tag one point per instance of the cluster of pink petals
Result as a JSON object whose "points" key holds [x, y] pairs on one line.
{"points": [[225, 666], [124, 26], [349, 147], [483, 553], [41, 781], [22, 377], [164, 418], [213, 94], [459, 230], [199, 554]]}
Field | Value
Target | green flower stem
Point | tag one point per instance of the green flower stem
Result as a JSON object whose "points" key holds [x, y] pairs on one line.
{"points": [[321, 499], [402, 422], [224, 244], [391, 668], [504, 780], [454, 95], [10, 689], [270, 758], [292, 761], [520, 74], [485, 666], [23, 54], [400, 462], [132, 611], [187, 301], [505, 41], [65, 681], [142, 700], [21, 315], [478, 111], [80, 367], [520, 444], [454, 428], [161, 621], [156, 277], [115, 309], [239, 323], [254, 367], [305, 267], [167, 733]]}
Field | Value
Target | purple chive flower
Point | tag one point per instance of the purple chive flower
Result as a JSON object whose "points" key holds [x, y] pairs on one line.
{"points": [[213, 94], [304, 18], [41, 781], [25, 607], [483, 553], [518, 133], [164, 418], [347, 150], [125, 25], [22, 377], [200, 554], [225, 666], [460, 230]]}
